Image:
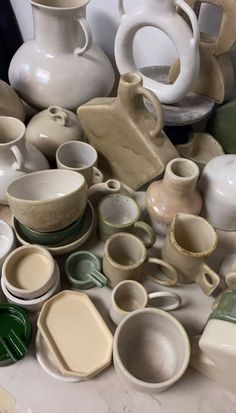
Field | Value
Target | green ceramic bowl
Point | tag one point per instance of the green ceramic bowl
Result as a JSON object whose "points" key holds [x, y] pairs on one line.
{"points": [[52, 238], [83, 271], [15, 333]]}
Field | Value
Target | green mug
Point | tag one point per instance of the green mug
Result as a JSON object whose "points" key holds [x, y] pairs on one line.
{"points": [[120, 213]]}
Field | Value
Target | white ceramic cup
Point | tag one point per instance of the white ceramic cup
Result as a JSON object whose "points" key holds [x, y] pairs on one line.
{"points": [[130, 295], [80, 157], [7, 241]]}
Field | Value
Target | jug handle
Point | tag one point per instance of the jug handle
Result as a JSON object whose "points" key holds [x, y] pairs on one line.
{"points": [[121, 8], [193, 19], [18, 158], [88, 37], [151, 97]]}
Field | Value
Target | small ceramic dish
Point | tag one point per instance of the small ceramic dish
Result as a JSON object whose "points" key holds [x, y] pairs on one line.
{"points": [[48, 201], [15, 333], [7, 241], [52, 238], [70, 245], [48, 362], [36, 304], [29, 272], [83, 271]]}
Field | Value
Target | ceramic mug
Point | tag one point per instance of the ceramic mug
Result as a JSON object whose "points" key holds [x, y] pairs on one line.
{"points": [[119, 213], [124, 259], [130, 295], [79, 157], [190, 240]]}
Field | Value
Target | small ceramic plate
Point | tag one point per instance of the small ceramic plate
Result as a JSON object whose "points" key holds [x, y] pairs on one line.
{"points": [[74, 242], [48, 362]]}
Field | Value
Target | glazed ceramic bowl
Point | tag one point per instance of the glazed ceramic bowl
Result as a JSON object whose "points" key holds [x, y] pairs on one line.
{"points": [[7, 241], [151, 350], [49, 200], [29, 272], [36, 304]]}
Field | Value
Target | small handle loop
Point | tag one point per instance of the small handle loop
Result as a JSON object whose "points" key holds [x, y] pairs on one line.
{"points": [[151, 97], [88, 37]]}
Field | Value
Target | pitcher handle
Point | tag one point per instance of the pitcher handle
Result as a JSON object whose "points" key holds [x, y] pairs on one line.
{"points": [[208, 280], [121, 8], [88, 37], [192, 17], [151, 97], [19, 160]]}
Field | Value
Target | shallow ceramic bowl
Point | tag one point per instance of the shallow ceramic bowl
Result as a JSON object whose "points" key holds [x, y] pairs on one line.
{"points": [[39, 281], [47, 201], [7, 241], [36, 304], [151, 350], [52, 238], [70, 245], [77, 265]]}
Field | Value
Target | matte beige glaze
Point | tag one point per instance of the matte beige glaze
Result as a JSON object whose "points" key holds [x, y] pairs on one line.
{"points": [[48, 201], [132, 145], [189, 242], [175, 193], [10, 103]]}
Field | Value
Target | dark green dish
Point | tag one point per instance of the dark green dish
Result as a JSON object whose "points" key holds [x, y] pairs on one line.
{"points": [[15, 333]]}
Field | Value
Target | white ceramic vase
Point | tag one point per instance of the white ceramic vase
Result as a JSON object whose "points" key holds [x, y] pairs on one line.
{"points": [[61, 65], [163, 15], [16, 156]]}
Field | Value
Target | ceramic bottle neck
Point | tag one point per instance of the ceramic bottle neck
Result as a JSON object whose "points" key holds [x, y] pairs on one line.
{"points": [[128, 93], [180, 177]]}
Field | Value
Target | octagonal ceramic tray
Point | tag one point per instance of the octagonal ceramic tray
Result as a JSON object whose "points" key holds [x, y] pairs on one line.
{"points": [[76, 334]]}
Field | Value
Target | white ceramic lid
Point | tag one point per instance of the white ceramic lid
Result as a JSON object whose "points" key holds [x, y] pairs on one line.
{"points": [[76, 334]]}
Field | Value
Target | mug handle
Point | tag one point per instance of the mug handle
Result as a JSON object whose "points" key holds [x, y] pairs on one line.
{"points": [[98, 176], [88, 37], [151, 97], [193, 20], [149, 231], [174, 277], [208, 280], [175, 298], [19, 160], [98, 278]]}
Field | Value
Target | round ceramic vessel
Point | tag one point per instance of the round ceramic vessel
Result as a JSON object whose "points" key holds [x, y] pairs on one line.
{"points": [[48, 201], [7, 241], [29, 272], [155, 367]]}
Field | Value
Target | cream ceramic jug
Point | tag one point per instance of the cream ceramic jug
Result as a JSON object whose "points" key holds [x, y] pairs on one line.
{"points": [[163, 15], [61, 66]]}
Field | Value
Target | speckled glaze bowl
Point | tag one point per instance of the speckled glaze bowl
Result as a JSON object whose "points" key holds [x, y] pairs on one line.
{"points": [[48, 201]]}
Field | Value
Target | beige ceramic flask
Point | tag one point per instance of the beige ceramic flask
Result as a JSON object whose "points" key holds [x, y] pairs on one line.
{"points": [[131, 143], [175, 193]]}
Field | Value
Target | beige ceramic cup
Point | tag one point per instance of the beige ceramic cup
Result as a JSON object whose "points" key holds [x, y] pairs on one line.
{"points": [[130, 295], [124, 259], [190, 240], [80, 157]]}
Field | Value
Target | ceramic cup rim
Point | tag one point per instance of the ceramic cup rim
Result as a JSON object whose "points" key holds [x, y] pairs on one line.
{"points": [[118, 286], [190, 163], [125, 235], [69, 275], [81, 144], [130, 376], [109, 223], [10, 236], [21, 133], [16, 290]]}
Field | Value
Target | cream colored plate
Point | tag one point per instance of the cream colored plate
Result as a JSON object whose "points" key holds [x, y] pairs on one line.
{"points": [[76, 334], [73, 245]]}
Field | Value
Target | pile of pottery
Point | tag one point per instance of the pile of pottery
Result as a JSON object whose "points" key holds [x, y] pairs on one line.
{"points": [[65, 176]]}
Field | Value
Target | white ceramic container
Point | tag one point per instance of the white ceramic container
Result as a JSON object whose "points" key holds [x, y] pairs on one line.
{"points": [[162, 15], [218, 186], [17, 157], [61, 65], [7, 241]]}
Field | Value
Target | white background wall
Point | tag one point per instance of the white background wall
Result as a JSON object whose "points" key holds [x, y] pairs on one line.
{"points": [[151, 47]]}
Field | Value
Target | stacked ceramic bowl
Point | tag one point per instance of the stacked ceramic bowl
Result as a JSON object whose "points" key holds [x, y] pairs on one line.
{"points": [[50, 208], [30, 276]]}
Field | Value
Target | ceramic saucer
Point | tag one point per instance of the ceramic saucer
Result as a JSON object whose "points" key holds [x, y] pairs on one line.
{"points": [[70, 245], [48, 363]]}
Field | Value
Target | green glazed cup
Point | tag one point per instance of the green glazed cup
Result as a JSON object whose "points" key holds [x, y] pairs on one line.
{"points": [[226, 308], [83, 271], [120, 213]]}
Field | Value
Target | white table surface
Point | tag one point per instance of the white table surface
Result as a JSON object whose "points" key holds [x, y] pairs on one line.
{"points": [[106, 393]]}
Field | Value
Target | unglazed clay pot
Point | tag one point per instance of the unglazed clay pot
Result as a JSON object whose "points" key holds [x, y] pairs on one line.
{"points": [[10, 103], [162, 15], [175, 193], [51, 128], [61, 65]]}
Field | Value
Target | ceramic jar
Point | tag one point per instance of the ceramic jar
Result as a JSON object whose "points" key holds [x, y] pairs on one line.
{"points": [[16, 156], [218, 186], [162, 15], [177, 192], [51, 128], [61, 65]]}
